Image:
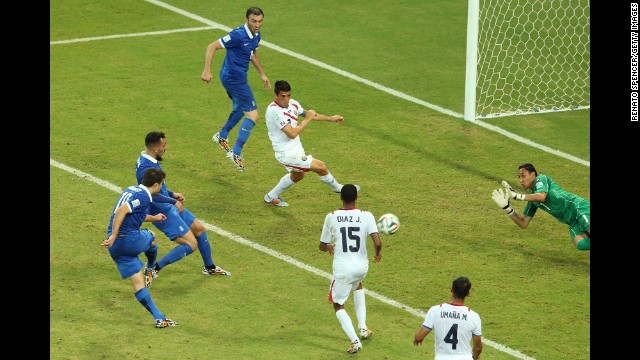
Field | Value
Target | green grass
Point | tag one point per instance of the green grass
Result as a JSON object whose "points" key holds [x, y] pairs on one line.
{"points": [[531, 287]]}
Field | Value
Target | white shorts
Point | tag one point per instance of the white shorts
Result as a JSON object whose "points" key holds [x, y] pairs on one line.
{"points": [[295, 161], [339, 292]]}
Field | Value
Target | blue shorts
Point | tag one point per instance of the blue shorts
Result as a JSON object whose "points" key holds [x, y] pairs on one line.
{"points": [[125, 251], [176, 224], [241, 95]]}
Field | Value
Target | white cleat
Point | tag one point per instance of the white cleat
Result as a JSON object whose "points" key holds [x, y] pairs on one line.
{"points": [[276, 202]]}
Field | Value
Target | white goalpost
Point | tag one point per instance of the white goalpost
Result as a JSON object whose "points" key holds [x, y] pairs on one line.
{"points": [[527, 57]]}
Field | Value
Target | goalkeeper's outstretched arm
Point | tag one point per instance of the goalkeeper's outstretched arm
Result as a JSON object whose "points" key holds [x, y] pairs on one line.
{"points": [[521, 220], [512, 194], [502, 199]]}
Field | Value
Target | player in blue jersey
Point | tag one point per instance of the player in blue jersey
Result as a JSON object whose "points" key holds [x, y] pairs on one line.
{"points": [[241, 45], [545, 194], [125, 239], [181, 225]]}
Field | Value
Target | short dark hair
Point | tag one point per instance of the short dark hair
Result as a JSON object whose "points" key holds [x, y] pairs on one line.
{"points": [[529, 167], [254, 10], [153, 138], [153, 176], [349, 193], [281, 85], [461, 287]]}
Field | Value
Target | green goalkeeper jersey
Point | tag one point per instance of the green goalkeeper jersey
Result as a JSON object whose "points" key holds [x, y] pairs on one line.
{"points": [[561, 204]]}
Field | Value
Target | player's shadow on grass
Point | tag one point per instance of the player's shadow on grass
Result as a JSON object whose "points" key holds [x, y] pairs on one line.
{"points": [[423, 151], [579, 264]]}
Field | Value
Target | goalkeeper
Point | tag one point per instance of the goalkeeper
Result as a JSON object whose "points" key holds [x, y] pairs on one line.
{"points": [[566, 207]]}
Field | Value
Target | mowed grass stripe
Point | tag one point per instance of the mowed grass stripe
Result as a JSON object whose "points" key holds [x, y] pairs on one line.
{"points": [[239, 239], [346, 74]]}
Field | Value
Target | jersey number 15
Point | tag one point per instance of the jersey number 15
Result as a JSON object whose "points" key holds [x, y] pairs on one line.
{"points": [[351, 234]]}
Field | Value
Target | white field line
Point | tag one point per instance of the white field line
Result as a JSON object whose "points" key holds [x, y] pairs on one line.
{"points": [[214, 25], [163, 32], [377, 86], [239, 239]]}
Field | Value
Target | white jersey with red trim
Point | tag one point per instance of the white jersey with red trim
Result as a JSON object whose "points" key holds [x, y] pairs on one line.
{"points": [[348, 230], [277, 118], [452, 327]]}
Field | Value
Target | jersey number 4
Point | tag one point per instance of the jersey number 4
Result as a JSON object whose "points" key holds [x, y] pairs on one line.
{"points": [[452, 336], [350, 233]]}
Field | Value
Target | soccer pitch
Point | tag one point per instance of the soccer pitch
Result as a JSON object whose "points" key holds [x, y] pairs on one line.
{"points": [[120, 69]]}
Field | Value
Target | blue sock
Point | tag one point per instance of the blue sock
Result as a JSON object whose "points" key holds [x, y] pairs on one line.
{"points": [[205, 250], [243, 135], [151, 254], [174, 255], [234, 117], [144, 298]]}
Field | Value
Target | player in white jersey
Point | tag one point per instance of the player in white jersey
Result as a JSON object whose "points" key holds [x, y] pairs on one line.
{"points": [[344, 235], [284, 131], [454, 325]]}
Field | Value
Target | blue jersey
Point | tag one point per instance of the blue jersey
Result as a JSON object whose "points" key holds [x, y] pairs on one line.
{"points": [[138, 199], [240, 44], [144, 163]]}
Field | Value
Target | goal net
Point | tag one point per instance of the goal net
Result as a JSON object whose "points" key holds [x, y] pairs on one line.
{"points": [[531, 56]]}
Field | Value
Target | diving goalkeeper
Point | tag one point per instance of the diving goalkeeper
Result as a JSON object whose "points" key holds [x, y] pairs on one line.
{"points": [[566, 207]]}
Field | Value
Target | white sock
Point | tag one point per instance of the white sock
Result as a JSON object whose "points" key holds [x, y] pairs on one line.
{"points": [[361, 308], [331, 181], [347, 326], [284, 183]]}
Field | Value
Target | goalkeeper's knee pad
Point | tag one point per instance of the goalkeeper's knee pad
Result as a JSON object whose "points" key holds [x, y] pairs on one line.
{"points": [[584, 244]]}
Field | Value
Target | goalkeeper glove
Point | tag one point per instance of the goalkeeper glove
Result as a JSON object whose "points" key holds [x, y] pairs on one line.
{"points": [[512, 193], [502, 199]]}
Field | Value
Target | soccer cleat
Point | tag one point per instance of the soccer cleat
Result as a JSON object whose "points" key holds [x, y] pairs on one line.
{"points": [[166, 322], [357, 189], [276, 202], [222, 142], [365, 333], [149, 275], [217, 271], [237, 160], [354, 347]]}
